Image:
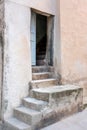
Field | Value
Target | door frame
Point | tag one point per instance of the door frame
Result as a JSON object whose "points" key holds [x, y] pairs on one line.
{"points": [[1, 76], [33, 37], [50, 37]]}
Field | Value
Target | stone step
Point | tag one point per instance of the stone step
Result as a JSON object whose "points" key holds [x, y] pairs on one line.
{"points": [[40, 57], [40, 62], [38, 69], [63, 101], [43, 75], [34, 104], [14, 124], [56, 92], [43, 83], [41, 53], [48, 117], [27, 115]]}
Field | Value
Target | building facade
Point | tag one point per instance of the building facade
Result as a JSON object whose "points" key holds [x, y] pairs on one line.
{"points": [[60, 25]]}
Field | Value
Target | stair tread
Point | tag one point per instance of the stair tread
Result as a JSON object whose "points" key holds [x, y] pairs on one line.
{"points": [[43, 66], [43, 80], [17, 123], [58, 88], [35, 101], [27, 111], [41, 73]]}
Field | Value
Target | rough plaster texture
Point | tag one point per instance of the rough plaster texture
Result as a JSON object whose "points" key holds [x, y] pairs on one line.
{"points": [[17, 49], [69, 56], [1, 46], [43, 5], [73, 17], [17, 67]]}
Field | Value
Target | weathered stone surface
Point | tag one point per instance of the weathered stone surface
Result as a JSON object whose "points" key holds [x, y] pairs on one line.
{"points": [[39, 69], [75, 122], [61, 101], [34, 104], [14, 124], [27, 115], [56, 92], [43, 83], [42, 75]]}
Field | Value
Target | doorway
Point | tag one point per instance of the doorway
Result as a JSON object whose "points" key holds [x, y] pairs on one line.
{"points": [[41, 39]]}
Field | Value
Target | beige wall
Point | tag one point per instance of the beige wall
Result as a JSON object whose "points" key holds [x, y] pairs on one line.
{"points": [[73, 17], [17, 49]]}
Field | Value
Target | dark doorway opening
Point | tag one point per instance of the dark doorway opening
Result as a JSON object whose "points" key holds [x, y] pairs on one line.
{"points": [[41, 39]]}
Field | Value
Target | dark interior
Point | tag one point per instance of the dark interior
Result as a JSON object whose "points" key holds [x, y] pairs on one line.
{"points": [[41, 38]]}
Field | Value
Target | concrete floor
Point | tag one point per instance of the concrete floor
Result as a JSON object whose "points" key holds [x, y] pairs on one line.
{"points": [[75, 122]]}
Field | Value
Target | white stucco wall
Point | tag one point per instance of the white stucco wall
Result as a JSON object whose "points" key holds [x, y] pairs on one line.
{"points": [[17, 50], [17, 67], [42, 5]]}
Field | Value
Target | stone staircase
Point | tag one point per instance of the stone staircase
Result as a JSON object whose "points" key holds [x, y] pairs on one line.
{"points": [[43, 77], [41, 59], [47, 102]]}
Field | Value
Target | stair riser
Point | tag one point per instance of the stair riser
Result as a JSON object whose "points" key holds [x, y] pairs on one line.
{"points": [[53, 116], [41, 53], [41, 76], [33, 106], [23, 117], [42, 69], [40, 96], [9, 127], [40, 57], [41, 62], [28, 119], [58, 97], [44, 84], [51, 69]]}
